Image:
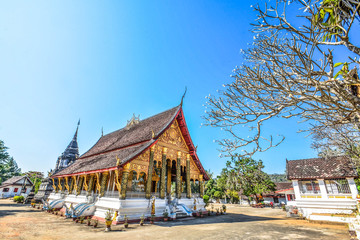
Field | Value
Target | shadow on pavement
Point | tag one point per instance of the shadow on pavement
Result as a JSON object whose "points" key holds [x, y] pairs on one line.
{"points": [[228, 218], [12, 209]]}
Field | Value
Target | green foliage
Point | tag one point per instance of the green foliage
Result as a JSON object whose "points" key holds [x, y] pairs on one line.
{"points": [[277, 177], [19, 199], [218, 194], [246, 174], [36, 181], [206, 199], [8, 166]]}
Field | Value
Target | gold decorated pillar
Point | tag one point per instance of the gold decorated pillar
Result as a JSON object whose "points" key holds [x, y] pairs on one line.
{"points": [[67, 183], [71, 187], [54, 185], [188, 186], [150, 171], [163, 172], [125, 176], [201, 182], [79, 186], [104, 179], [60, 184], [178, 176], [91, 184], [169, 178]]}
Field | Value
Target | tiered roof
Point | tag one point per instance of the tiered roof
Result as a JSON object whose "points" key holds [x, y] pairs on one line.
{"points": [[129, 142], [315, 168]]}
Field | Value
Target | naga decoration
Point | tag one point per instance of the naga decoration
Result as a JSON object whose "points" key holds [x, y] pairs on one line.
{"points": [[117, 182], [153, 205]]}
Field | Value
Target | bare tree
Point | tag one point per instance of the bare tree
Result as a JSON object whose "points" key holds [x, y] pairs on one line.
{"points": [[292, 70]]}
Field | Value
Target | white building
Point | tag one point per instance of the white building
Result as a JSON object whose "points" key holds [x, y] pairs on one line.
{"points": [[283, 194], [324, 187], [14, 187]]}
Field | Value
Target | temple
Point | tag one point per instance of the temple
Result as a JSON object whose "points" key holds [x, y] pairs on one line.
{"points": [[67, 158], [146, 168]]}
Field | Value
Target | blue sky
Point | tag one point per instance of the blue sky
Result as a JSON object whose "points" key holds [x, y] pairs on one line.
{"points": [[102, 61]]}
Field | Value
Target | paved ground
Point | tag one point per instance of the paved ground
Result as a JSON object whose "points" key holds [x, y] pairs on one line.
{"points": [[21, 222]]}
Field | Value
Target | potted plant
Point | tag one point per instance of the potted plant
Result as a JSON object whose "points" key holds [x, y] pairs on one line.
{"points": [[96, 222], [217, 212], [295, 210], [142, 218], [221, 211], [152, 219], [88, 220], [33, 202], [82, 220], [126, 224], [224, 208], [108, 220], [165, 214]]}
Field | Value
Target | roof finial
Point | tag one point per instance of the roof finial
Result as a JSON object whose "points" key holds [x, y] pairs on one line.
{"points": [[182, 99], [102, 131]]}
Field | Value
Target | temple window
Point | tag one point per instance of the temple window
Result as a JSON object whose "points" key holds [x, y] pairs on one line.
{"points": [[16, 189], [337, 186]]}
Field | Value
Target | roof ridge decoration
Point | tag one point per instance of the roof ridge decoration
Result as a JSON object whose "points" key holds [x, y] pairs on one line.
{"points": [[133, 121]]}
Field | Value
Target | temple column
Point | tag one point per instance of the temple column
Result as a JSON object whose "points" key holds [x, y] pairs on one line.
{"points": [[71, 187], [67, 183], [103, 183], [61, 188], [163, 173], [125, 176], [150, 171], [188, 186], [91, 184], [54, 185], [178, 176], [201, 182], [79, 186], [169, 178]]}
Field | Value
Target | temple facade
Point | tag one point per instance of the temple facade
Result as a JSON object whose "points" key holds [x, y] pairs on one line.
{"points": [[145, 168]]}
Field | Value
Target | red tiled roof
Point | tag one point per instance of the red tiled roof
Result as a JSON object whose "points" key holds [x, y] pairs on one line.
{"points": [[315, 168]]}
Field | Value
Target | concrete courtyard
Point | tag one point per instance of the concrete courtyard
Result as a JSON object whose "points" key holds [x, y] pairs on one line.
{"points": [[19, 221]]}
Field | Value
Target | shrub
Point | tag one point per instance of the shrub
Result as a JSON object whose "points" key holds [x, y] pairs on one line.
{"points": [[206, 199], [19, 199]]}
